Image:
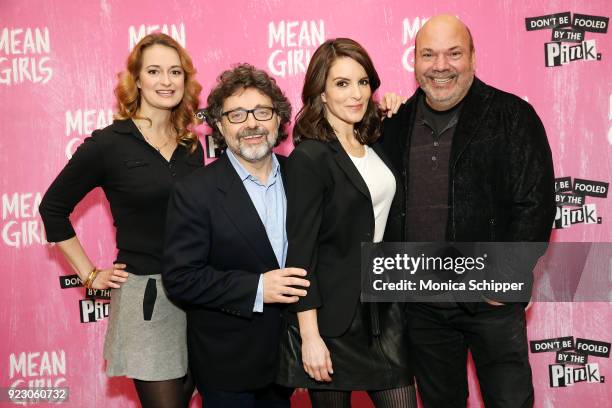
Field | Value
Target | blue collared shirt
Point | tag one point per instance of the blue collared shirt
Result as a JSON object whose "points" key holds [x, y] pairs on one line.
{"points": [[271, 205]]}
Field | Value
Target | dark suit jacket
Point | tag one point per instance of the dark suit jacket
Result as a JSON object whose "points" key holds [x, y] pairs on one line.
{"points": [[329, 214], [216, 249]]}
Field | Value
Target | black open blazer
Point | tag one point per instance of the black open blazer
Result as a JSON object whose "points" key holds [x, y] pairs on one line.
{"points": [[329, 214], [216, 249]]}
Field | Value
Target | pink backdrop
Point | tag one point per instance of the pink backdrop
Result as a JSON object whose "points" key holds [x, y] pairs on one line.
{"points": [[58, 64]]}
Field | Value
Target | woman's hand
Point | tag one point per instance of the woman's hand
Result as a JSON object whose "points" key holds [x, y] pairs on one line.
{"points": [[78, 259], [391, 103], [316, 359], [110, 277]]}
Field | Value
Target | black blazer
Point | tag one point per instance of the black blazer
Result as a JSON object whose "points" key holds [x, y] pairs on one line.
{"points": [[216, 248], [329, 214]]}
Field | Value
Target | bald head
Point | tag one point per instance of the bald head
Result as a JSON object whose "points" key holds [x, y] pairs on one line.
{"points": [[444, 61], [448, 24]]}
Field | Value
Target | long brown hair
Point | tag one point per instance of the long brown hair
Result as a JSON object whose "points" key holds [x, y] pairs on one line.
{"points": [[310, 122], [128, 94]]}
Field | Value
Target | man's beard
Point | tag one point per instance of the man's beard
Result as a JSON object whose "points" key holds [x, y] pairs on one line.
{"points": [[444, 98], [257, 152]]}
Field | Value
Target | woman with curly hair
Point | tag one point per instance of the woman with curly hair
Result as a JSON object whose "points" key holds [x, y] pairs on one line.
{"points": [[136, 160]]}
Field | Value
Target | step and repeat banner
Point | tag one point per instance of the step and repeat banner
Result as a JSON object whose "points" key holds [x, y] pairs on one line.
{"points": [[58, 67]]}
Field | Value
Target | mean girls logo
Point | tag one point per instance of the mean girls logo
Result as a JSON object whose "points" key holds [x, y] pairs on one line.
{"points": [[291, 45], [21, 223], [80, 123], [25, 55], [410, 27]]}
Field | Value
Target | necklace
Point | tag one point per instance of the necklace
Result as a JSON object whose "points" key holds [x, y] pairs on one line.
{"points": [[156, 147]]}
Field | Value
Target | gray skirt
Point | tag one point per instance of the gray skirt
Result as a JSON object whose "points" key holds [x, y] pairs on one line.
{"points": [[146, 338]]}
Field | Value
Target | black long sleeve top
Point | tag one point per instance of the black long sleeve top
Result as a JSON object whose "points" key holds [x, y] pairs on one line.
{"points": [[137, 181]]}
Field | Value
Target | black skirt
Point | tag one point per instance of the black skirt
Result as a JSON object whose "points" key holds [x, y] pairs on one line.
{"points": [[371, 355]]}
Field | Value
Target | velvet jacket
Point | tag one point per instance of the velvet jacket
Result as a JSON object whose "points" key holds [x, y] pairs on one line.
{"points": [[501, 180]]}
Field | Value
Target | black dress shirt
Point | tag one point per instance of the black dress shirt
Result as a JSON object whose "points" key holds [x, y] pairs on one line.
{"points": [[137, 181]]}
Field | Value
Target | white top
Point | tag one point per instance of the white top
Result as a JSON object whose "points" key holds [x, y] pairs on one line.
{"points": [[381, 183]]}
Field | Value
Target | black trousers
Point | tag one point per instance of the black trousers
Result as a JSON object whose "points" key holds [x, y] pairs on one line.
{"points": [[440, 336]]}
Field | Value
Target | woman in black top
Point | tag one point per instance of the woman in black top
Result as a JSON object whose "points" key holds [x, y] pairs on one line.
{"points": [[341, 192], [136, 160]]}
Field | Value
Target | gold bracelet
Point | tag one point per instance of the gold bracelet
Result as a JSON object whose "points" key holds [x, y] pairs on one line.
{"points": [[86, 281], [91, 277]]}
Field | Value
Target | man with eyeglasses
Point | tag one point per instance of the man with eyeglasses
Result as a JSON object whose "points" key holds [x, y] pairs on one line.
{"points": [[226, 246]]}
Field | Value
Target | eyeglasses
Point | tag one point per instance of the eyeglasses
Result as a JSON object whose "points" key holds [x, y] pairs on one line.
{"points": [[240, 115]]}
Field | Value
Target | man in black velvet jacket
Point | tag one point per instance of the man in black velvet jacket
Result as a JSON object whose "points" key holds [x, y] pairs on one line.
{"points": [[477, 167]]}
